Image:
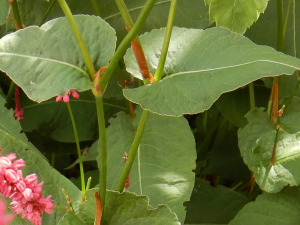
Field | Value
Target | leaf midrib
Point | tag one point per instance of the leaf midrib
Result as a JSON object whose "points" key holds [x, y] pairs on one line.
{"points": [[46, 59], [233, 66]]}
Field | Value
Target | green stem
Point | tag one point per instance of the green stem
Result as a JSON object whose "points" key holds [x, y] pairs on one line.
{"points": [[125, 44], [280, 25], [236, 186], [251, 94], [133, 150], [47, 12], [16, 13], [126, 17], [88, 185], [164, 52], [286, 18], [96, 7], [17, 18], [103, 150], [84, 51], [10, 94], [78, 152]]}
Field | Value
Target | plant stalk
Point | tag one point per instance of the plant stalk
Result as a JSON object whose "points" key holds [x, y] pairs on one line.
{"points": [[84, 51], [145, 113], [96, 7], [47, 12], [133, 150], [17, 18], [103, 150], [252, 97], [125, 44], [16, 13], [78, 152], [160, 68]]}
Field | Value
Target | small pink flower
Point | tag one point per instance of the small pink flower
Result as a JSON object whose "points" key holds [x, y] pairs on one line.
{"points": [[66, 98], [5, 219]]}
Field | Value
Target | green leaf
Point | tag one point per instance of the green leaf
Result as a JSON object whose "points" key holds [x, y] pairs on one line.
{"points": [[71, 219], [11, 126], [126, 209], [213, 205], [51, 119], [163, 166], [237, 15], [256, 142], [3, 11], [276, 209], [53, 180], [53, 63], [201, 65]]}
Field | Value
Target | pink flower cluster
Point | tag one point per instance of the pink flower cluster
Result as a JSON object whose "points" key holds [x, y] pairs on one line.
{"points": [[25, 192], [66, 98]]}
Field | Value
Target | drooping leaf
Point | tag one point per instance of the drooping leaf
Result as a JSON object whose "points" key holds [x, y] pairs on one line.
{"points": [[126, 209], [53, 180], [166, 143], [53, 64], [3, 11], [11, 126], [237, 15], [200, 66], [256, 142], [276, 209], [51, 119], [213, 205]]}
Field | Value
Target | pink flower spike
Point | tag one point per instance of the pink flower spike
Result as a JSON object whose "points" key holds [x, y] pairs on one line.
{"points": [[75, 94], [18, 164], [5, 219], [58, 98], [66, 98], [28, 195]]}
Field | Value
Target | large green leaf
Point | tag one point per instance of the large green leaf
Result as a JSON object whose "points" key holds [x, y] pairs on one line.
{"points": [[155, 171], [163, 167], [276, 209], [53, 62], [3, 11], [237, 15], [126, 209], [52, 119], [256, 142], [213, 205], [53, 180], [11, 126], [201, 65]]}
